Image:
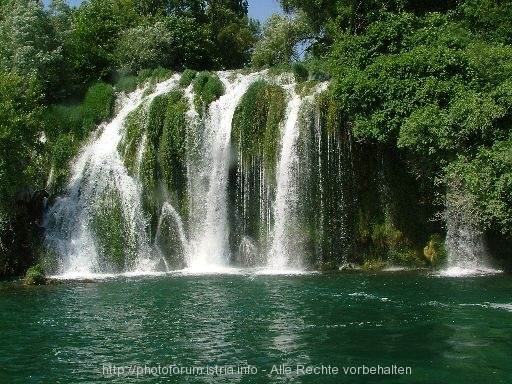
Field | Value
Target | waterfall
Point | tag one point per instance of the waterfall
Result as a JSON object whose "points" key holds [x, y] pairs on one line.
{"points": [[208, 178], [286, 252], [465, 244], [122, 213], [99, 175], [283, 254]]}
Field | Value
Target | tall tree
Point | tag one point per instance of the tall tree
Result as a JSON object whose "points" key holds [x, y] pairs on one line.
{"points": [[28, 42]]}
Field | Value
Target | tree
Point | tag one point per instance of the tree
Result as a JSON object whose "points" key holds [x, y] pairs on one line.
{"points": [[173, 42], [281, 35], [20, 115], [232, 32], [96, 28], [28, 43]]}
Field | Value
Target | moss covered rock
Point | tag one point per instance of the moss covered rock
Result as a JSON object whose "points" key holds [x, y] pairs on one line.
{"points": [[35, 276]]}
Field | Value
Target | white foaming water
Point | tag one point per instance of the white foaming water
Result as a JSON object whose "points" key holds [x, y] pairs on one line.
{"points": [[98, 170], [282, 250], [467, 253], [173, 220], [285, 252], [208, 179]]}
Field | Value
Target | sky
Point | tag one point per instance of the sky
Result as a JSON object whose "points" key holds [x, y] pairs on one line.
{"points": [[258, 9]]}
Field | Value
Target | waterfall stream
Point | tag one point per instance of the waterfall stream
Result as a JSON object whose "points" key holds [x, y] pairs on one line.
{"points": [[280, 206], [97, 172]]}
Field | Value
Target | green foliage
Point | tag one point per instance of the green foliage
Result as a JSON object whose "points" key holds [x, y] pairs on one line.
{"points": [[488, 178], [232, 33], [172, 143], [97, 25], [281, 35], [436, 89], [67, 126], [435, 251], [35, 276], [149, 171], [110, 233], [207, 88], [127, 84], [134, 126], [98, 103], [162, 166], [256, 123], [153, 76], [173, 42], [20, 114], [28, 42], [187, 77], [492, 19], [300, 72]]}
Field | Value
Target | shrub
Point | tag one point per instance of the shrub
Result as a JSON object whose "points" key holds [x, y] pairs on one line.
{"points": [[435, 251], [35, 276], [67, 126], [98, 103], [127, 84], [213, 89]]}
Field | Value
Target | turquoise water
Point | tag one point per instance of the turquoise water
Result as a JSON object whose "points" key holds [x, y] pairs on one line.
{"points": [[445, 330]]}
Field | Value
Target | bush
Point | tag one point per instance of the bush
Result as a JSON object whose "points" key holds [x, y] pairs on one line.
{"points": [[35, 276], [98, 103], [435, 251], [67, 126], [127, 84], [213, 89]]}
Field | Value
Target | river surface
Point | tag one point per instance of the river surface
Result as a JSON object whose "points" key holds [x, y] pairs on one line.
{"points": [[247, 327]]}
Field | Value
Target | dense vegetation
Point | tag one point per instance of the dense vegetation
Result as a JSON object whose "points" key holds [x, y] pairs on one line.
{"points": [[430, 82]]}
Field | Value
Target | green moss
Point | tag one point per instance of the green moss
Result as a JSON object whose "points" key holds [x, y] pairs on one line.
{"points": [[374, 264], [187, 77], [98, 103], [207, 88], [331, 112], [154, 75], [68, 126], [172, 144], [155, 124], [35, 276], [134, 127], [256, 123], [163, 161], [280, 69], [108, 225]]}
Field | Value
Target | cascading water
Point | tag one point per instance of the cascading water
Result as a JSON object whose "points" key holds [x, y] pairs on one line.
{"points": [[117, 217], [208, 178], [467, 253], [286, 249], [465, 245], [282, 250], [76, 223]]}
